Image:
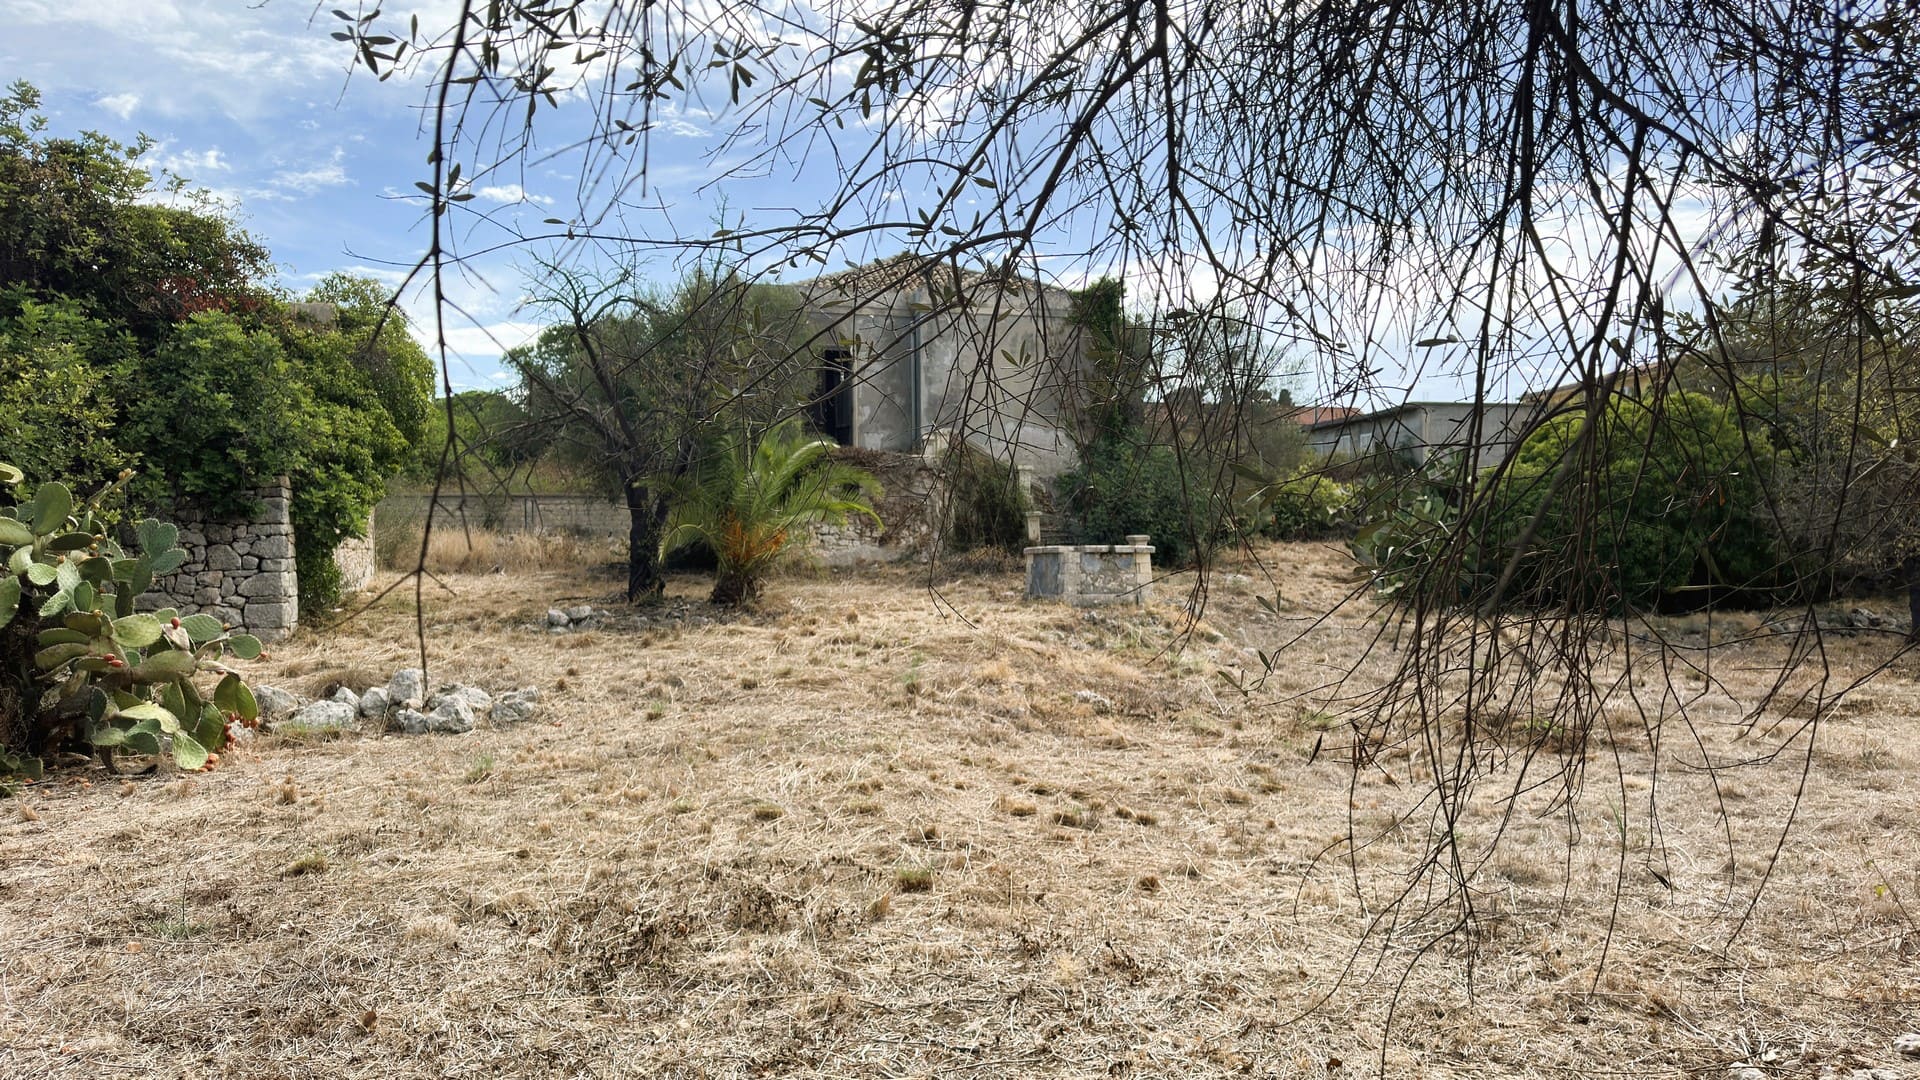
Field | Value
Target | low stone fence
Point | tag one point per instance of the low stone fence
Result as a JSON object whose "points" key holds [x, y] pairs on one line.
{"points": [[239, 570], [1090, 574]]}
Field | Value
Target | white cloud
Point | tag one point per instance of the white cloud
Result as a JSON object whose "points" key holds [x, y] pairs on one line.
{"points": [[474, 343], [288, 182], [510, 193], [120, 105], [188, 163]]}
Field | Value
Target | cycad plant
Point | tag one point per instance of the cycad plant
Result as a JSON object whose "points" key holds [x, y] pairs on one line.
{"points": [[746, 500]]}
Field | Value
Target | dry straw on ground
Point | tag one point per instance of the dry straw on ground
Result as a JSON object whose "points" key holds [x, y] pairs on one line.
{"points": [[883, 829]]}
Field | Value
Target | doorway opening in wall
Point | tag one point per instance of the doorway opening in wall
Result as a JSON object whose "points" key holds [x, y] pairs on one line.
{"points": [[831, 410]]}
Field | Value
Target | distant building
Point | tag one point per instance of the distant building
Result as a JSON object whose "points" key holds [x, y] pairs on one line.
{"points": [[1308, 416], [913, 352], [1416, 431]]}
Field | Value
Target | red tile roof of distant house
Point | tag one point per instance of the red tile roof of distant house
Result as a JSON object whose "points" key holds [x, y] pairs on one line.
{"points": [[1320, 414]]}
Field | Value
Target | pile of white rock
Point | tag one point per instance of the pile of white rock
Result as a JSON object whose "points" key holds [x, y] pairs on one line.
{"points": [[403, 706], [583, 617]]}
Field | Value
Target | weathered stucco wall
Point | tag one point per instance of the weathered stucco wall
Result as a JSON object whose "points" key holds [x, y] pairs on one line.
{"points": [[999, 372], [239, 570]]}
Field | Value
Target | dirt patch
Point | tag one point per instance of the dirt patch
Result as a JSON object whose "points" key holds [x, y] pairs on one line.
{"points": [[886, 827]]}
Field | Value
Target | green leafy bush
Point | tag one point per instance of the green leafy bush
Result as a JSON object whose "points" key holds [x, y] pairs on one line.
{"points": [[1124, 486], [135, 335], [1305, 505], [1661, 505], [987, 509], [1667, 498], [78, 662]]}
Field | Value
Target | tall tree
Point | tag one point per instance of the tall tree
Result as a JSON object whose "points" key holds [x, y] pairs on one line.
{"points": [[630, 382]]}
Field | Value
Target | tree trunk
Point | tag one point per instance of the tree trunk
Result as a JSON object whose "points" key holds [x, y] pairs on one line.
{"points": [[646, 518], [734, 588]]}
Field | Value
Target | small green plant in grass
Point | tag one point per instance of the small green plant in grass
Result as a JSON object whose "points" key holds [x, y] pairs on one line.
{"points": [[313, 862], [913, 879], [910, 680], [1318, 720], [180, 929], [481, 768]]}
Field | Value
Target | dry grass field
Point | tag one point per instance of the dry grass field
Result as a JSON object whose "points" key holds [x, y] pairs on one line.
{"points": [[883, 828]]}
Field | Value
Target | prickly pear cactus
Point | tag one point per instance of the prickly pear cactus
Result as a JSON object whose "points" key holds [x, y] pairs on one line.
{"points": [[78, 662]]}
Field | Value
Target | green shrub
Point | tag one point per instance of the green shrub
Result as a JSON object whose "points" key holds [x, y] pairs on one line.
{"points": [[1124, 487], [1666, 499], [136, 335], [1663, 505], [1306, 505], [986, 506], [77, 662]]}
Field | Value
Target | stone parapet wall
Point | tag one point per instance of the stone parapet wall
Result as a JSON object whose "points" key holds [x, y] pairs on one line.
{"points": [[240, 571], [912, 500], [1092, 574]]}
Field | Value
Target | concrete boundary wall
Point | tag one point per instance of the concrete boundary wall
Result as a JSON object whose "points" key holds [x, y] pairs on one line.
{"points": [[589, 515]]}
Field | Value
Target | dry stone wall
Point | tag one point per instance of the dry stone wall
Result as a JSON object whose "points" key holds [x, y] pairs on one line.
{"points": [[913, 495], [239, 570]]}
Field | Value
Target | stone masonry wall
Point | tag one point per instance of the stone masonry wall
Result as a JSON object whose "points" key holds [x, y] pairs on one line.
{"points": [[909, 508], [239, 571], [1089, 574], [355, 559]]}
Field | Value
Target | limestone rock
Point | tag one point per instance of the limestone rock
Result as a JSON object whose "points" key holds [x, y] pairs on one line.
{"points": [[408, 721], [557, 618], [275, 703], [327, 716], [1908, 1043], [451, 717], [408, 688], [346, 696], [1100, 702], [579, 614], [373, 703], [516, 706], [477, 701]]}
